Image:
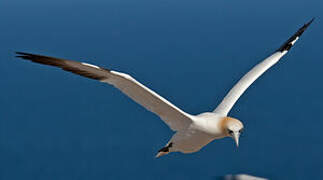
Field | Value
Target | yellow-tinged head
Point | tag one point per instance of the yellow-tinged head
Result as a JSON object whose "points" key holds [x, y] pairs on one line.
{"points": [[232, 127]]}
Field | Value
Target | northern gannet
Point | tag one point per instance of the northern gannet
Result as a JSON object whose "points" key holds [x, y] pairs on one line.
{"points": [[192, 131]]}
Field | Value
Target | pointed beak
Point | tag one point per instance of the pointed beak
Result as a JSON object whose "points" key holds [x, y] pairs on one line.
{"points": [[236, 138]]}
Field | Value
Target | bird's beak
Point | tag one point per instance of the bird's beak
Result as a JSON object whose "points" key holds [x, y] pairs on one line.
{"points": [[236, 138]]}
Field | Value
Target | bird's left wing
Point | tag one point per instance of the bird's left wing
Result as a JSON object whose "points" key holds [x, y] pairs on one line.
{"points": [[230, 99], [174, 117]]}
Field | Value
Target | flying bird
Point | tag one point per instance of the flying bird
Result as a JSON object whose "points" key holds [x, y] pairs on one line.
{"points": [[192, 132]]}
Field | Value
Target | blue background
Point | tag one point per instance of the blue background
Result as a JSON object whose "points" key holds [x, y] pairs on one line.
{"points": [[56, 125]]}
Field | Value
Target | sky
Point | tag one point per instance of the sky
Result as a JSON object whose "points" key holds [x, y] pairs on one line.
{"points": [[57, 125]]}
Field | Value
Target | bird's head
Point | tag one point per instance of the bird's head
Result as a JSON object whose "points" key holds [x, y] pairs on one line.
{"points": [[233, 128]]}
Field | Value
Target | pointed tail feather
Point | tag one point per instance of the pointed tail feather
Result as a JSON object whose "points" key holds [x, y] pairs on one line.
{"points": [[163, 151], [159, 154]]}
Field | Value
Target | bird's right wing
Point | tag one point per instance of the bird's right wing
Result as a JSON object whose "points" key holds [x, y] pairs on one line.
{"points": [[174, 117], [238, 89]]}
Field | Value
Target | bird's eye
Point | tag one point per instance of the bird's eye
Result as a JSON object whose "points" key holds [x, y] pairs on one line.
{"points": [[241, 130], [229, 131]]}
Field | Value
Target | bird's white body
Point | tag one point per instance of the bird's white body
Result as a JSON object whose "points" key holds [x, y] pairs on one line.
{"points": [[205, 128], [209, 123], [192, 131]]}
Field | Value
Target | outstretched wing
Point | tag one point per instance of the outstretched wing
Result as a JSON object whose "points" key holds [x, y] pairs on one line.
{"points": [[230, 99], [174, 117]]}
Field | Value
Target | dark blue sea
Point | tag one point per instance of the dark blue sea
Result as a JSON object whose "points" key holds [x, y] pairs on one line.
{"points": [[55, 125]]}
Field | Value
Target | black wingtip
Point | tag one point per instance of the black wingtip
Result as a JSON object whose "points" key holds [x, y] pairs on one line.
{"points": [[310, 22], [289, 43], [22, 55]]}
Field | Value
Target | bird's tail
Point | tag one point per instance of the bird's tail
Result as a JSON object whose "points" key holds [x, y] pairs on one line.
{"points": [[161, 154], [163, 151]]}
